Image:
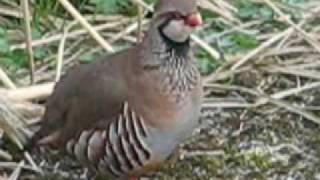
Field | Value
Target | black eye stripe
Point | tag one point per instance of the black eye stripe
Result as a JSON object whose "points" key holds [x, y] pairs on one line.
{"points": [[177, 16], [172, 15]]}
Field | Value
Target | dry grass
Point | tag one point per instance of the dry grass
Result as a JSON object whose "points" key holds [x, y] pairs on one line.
{"points": [[261, 111]]}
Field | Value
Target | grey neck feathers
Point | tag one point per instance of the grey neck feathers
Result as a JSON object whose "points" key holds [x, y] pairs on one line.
{"points": [[174, 65]]}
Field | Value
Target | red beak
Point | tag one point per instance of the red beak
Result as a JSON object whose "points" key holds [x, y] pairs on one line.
{"points": [[194, 20]]}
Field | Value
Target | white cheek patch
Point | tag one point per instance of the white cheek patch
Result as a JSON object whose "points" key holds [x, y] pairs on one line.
{"points": [[177, 31]]}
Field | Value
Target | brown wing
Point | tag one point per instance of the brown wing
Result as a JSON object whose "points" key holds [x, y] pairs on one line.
{"points": [[87, 94]]}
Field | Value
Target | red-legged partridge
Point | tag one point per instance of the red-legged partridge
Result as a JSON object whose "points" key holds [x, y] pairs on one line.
{"points": [[124, 115]]}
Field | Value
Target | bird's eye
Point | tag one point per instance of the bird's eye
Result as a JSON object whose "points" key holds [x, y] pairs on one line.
{"points": [[176, 15]]}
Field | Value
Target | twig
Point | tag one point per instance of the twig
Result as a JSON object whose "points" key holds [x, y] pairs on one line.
{"points": [[141, 3], [291, 108], [129, 29], [237, 28], [29, 93], [8, 11], [289, 92], [70, 8], [271, 41], [227, 105], [289, 50], [13, 165], [295, 72], [13, 124], [262, 47], [73, 34], [60, 55], [203, 153], [16, 173], [215, 54], [234, 88], [226, 5], [307, 37], [206, 4], [216, 76], [33, 164], [26, 14], [140, 18], [6, 80], [5, 155], [263, 99]]}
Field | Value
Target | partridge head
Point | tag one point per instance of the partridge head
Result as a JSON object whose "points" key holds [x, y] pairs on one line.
{"points": [[124, 115], [176, 19]]}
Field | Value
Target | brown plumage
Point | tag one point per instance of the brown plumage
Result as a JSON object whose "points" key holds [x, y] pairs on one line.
{"points": [[124, 115]]}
